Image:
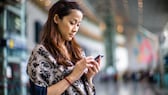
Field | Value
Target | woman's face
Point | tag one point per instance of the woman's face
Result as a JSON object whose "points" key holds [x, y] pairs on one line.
{"points": [[69, 25]]}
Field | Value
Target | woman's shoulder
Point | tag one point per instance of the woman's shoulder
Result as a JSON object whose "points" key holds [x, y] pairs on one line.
{"points": [[41, 51], [39, 47]]}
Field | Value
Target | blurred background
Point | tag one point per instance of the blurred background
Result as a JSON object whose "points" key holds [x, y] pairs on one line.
{"points": [[131, 34]]}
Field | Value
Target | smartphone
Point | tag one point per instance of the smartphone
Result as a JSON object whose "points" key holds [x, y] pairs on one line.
{"points": [[98, 56]]}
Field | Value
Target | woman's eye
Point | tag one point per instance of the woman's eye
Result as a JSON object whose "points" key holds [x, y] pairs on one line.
{"points": [[72, 23], [78, 24], [75, 23]]}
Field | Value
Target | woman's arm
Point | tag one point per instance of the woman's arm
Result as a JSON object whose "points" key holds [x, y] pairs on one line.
{"points": [[40, 71], [75, 75], [61, 86]]}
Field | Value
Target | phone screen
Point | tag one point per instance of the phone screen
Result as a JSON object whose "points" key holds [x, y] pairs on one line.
{"points": [[98, 57]]}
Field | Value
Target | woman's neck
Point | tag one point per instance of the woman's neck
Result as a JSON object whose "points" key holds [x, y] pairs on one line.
{"points": [[65, 51]]}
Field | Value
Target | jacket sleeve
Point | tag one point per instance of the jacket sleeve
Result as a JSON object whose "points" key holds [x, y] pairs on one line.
{"points": [[90, 90], [39, 71], [37, 90]]}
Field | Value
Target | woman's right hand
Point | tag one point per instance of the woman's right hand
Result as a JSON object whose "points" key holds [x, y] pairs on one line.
{"points": [[80, 67]]}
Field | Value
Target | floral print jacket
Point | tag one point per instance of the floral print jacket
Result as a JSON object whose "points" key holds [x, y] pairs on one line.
{"points": [[44, 71]]}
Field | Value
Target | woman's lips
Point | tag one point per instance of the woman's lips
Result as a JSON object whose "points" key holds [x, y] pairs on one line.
{"points": [[72, 35]]}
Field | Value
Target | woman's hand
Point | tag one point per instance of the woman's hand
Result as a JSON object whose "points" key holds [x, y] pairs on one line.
{"points": [[77, 72], [81, 66], [93, 70]]}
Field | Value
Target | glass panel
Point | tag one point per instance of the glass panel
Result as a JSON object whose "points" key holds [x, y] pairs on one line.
{"points": [[14, 80], [13, 23], [15, 52], [1, 21], [38, 27], [1, 54], [1, 78], [16, 3]]}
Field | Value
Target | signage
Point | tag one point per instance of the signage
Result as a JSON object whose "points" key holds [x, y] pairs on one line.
{"points": [[13, 43], [16, 44], [2, 42]]}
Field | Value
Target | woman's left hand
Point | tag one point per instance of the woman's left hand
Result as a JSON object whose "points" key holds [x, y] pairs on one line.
{"points": [[93, 70]]}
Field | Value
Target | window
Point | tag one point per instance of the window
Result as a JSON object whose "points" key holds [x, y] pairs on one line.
{"points": [[38, 27], [16, 3], [1, 21], [13, 23], [14, 79], [1, 78]]}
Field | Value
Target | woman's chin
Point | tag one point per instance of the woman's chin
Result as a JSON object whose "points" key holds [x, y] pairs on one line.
{"points": [[69, 39]]}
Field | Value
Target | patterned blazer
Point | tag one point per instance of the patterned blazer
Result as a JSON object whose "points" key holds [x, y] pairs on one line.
{"points": [[44, 71]]}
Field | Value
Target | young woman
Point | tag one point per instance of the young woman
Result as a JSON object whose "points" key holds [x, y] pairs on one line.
{"points": [[57, 66]]}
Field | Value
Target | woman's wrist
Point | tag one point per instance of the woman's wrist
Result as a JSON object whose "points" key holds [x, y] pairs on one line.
{"points": [[91, 84], [90, 81], [70, 78]]}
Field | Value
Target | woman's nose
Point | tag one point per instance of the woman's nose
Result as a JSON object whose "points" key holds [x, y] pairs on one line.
{"points": [[75, 28]]}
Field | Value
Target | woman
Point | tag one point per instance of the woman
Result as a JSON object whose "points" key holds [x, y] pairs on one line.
{"points": [[57, 65]]}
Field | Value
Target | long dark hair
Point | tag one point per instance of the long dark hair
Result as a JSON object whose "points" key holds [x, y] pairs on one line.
{"points": [[51, 36]]}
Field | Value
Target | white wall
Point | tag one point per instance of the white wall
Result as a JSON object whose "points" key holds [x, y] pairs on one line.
{"points": [[34, 13]]}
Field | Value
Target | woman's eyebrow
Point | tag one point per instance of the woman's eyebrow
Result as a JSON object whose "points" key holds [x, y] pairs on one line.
{"points": [[76, 20]]}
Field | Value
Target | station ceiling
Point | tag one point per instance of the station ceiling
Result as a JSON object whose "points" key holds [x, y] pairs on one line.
{"points": [[151, 14]]}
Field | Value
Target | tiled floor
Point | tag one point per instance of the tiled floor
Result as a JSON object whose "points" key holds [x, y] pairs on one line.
{"points": [[121, 88]]}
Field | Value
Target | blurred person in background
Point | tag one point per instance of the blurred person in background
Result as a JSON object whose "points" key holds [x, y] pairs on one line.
{"points": [[57, 65]]}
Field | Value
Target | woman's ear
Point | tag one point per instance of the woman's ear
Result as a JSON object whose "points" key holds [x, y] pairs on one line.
{"points": [[56, 18]]}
